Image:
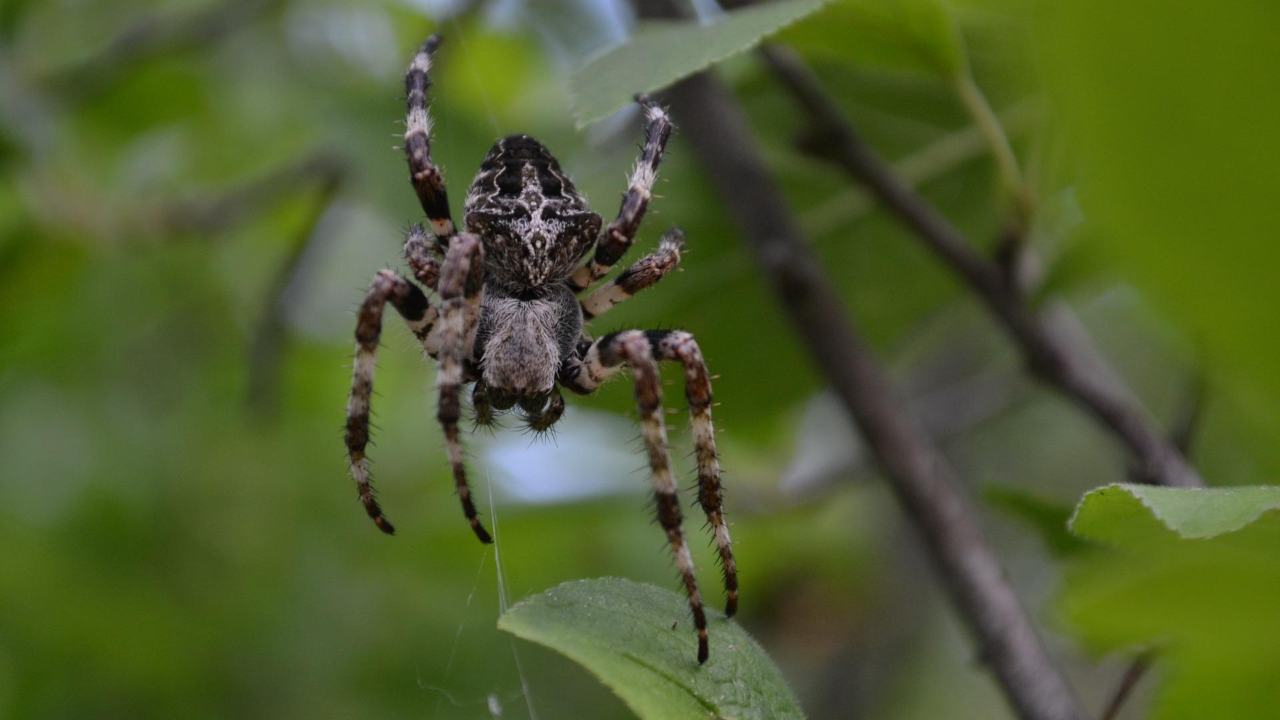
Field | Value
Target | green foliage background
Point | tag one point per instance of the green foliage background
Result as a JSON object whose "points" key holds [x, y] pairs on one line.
{"points": [[170, 551]]}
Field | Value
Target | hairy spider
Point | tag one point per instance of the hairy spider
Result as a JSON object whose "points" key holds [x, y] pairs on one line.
{"points": [[510, 321]]}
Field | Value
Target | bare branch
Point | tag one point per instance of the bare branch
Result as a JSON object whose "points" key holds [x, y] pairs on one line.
{"points": [[1049, 357], [210, 213], [1136, 671], [323, 174], [271, 333]]}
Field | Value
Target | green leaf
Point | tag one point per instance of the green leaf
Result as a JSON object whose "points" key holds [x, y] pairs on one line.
{"points": [[1175, 128], [662, 52], [1117, 513], [901, 35], [638, 640], [1193, 573]]}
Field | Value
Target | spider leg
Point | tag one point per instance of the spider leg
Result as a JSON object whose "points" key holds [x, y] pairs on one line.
{"points": [[427, 180], [412, 305], [617, 237], [644, 273], [680, 346], [603, 358], [422, 257], [461, 284]]}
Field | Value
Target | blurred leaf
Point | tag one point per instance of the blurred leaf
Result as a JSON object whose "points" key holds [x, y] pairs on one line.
{"points": [[628, 635], [662, 52], [1194, 573], [1174, 115], [1047, 518], [905, 35], [1111, 513]]}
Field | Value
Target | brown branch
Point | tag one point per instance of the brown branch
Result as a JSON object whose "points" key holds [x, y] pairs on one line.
{"points": [[921, 480], [1048, 355], [323, 173], [1128, 682], [212, 214], [271, 333]]}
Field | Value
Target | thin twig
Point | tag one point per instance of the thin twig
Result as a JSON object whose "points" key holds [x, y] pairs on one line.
{"points": [[917, 168], [1128, 682], [322, 173], [212, 214], [270, 334], [1049, 356]]}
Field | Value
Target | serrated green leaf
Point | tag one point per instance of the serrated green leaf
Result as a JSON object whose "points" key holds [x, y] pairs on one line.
{"points": [[662, 52], [637, 639], [901, 35], [1119, 513], [1192, 573]]}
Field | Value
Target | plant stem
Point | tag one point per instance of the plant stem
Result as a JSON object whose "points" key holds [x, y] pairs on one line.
{"points": [[1132, 675], [973, 99]]}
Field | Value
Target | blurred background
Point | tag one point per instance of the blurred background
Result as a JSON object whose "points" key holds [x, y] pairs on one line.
{"points": [[194, 195]]}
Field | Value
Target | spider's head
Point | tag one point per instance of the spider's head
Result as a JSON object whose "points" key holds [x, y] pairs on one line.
{"points": [[534, 225]]}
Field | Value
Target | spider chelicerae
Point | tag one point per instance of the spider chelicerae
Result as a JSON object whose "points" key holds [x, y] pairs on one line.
{"points": [[510, 318]]}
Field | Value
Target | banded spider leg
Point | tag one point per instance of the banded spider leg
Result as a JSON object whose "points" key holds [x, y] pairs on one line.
{"points": [[643, 273], [418, 314], [641, 351], [461, 288], [428, 181], [616, 238]]}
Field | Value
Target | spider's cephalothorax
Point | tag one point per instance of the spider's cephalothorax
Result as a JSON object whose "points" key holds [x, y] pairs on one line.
{"points": [[511, 314], [534, 225]]}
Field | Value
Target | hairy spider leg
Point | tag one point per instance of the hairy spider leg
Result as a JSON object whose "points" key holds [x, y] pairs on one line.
{"points": [[427, 180], [680, 346], [423, 257], [604, 358], [618, 235], [412, 305], [461, 285], [643, 273]]}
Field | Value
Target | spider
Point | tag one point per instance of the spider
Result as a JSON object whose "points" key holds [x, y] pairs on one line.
{"points": [[513, 302]]}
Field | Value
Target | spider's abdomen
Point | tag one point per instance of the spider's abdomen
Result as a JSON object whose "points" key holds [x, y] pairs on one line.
{"points": [[523, 341], [534, 224]]}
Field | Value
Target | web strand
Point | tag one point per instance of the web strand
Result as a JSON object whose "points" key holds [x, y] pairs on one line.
{"points": [[457, 636], [502, 593]]}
